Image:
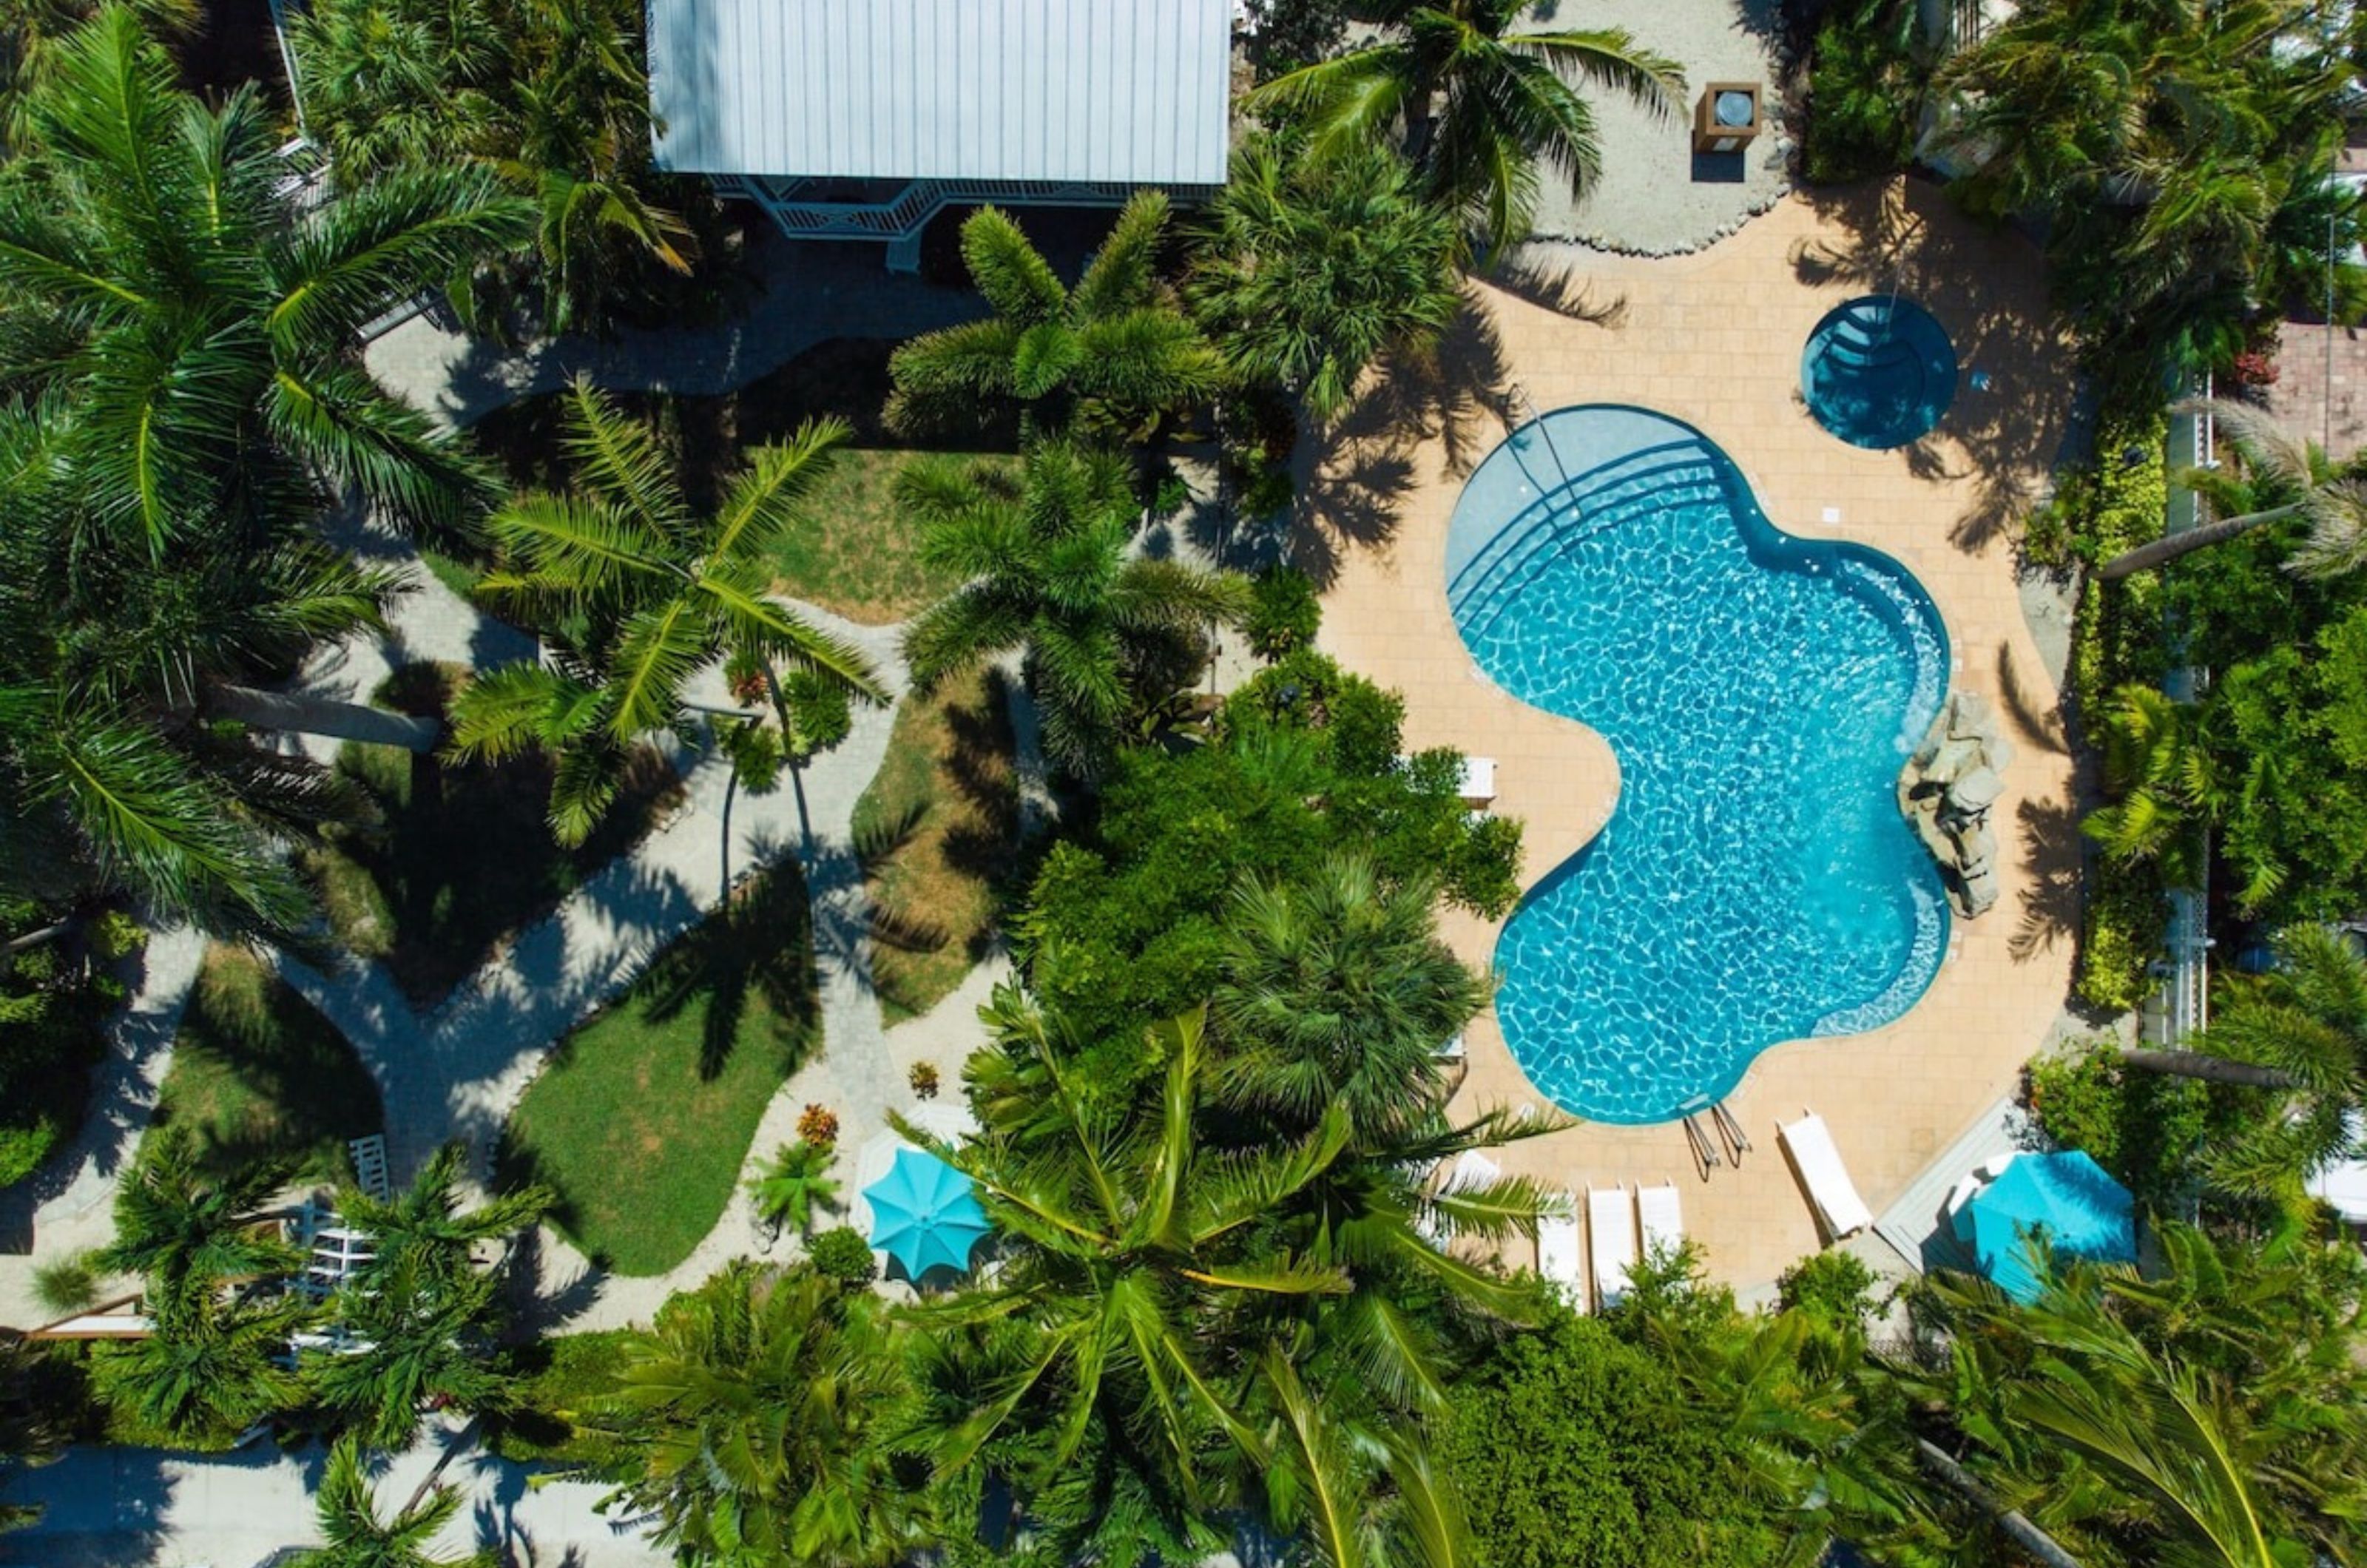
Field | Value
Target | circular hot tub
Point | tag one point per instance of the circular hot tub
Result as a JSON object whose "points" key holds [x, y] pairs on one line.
{"points": [[1878, 371]]}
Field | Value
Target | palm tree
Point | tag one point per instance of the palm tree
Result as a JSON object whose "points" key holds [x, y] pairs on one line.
{"points": [[2299, 1032], [117, 676], [210, 1368], [31, 30], [2205, 1433], [184, 1234], [1339, 991], [357, 1538], [2333, 509], [1109, 356], [795, 1183], [2166, 771], [662, 592], [550, 95], [417, 1337], [1046, 555], [203, 326], [756, 1421], [1311, 269], [1173, 1323], [425, 1223], [1475, 105]]}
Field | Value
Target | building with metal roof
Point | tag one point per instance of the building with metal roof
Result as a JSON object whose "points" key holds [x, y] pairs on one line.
{"points": [[862, 118]]}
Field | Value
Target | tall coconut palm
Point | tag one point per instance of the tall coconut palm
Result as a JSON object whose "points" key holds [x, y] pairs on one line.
{"points": [[419, 1336], [1173, 1323], [2301, 1032], [210, 1368], [2332, 508], [186, 1234], [357, 1538], [1475, 104], [642, 593], [1339, 991], [1109, 356], [118, 677], [550, 95], [1045, 552], [756, 1422], [2167, 774], [1311, 269], [426, 1222], [202, 323]]}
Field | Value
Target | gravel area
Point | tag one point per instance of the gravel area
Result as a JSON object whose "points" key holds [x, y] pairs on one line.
{"points": [[1654, 195]]}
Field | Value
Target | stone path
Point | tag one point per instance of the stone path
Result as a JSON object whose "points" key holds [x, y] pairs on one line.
{"points": [[67, 1205], [118, 1507], [824, 291]]}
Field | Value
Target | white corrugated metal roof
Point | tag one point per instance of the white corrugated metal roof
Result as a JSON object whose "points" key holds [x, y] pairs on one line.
{"points": [[1122, 92]]}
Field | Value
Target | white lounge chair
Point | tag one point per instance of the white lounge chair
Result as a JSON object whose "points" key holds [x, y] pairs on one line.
{"points": [[1830, 1191], [1662, 1216], [1479, 786], [1560, 1257], [1474, 1170], [1610, 1233]]}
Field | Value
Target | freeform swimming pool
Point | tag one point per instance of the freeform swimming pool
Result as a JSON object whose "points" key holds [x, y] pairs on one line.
{"points": [[1756, 881]]}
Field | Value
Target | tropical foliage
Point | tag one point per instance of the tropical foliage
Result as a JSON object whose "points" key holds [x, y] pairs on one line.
{"points": [[1474, 104], [1313, 268], [550, 97], [756, 1420], [357, 1537], [1109, 635], [637, 592], [1107, 357], [2179, 151]]}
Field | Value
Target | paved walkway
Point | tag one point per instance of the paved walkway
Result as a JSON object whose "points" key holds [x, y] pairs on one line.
{"points": [[809, 294], [111, 1508]]}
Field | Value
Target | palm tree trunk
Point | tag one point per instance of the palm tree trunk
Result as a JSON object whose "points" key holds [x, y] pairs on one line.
{"points": [[319, 715], [16, 946], [2210, 1070], [790, 755], [2011, 1522], [2169, 547]]}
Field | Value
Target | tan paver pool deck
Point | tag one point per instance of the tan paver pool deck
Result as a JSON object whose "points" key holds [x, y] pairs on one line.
{"points": [[1714, 339]]}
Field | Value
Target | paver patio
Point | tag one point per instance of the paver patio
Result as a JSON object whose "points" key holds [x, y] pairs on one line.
{"points": [[1714, 339]]}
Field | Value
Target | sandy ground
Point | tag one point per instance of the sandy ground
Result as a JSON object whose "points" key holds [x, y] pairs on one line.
{"points": [[1654, 196]]}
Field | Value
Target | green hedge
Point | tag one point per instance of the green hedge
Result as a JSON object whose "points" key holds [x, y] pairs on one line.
{"points": [[1865, 92], [2111, 505]]}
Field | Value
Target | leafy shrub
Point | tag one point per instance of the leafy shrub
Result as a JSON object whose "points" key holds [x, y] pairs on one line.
{"points": [[1833, 1285], [66, 1285], [923, 1079], [843, 1255], [114, 935], [51, 1009], [1865, 90], [1284, 613], [2120, 933], [556, 1380], [817, 1125], [1575, 1449], [2145, 1128]]}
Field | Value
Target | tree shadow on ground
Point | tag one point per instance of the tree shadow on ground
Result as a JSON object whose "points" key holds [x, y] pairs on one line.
{"points": [[2010, 423], [755, 945], [2054, 853], [2036, 719], [1353, 485]]}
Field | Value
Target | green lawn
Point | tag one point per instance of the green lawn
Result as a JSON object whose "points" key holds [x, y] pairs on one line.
{"points": [[940, 826], [642, 1119], [460, 857], [256, 1074], [855, 556]]}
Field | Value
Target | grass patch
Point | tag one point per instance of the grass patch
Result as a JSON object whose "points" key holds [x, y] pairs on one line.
{"points": [[458, 857], [855, 556], [940, 824], [858, 555], [258, 1075], [642, 1119]]}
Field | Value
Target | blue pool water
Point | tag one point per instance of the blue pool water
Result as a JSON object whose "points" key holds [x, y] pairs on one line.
{"points": [[1878, 371], [1756, 882]]}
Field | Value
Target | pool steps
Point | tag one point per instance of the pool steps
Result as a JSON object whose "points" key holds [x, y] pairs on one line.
{"points": [[1649, 479]]}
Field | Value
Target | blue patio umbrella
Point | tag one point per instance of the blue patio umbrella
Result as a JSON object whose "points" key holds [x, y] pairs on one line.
{"points": [[2065, 1197], [924, 1214]]}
